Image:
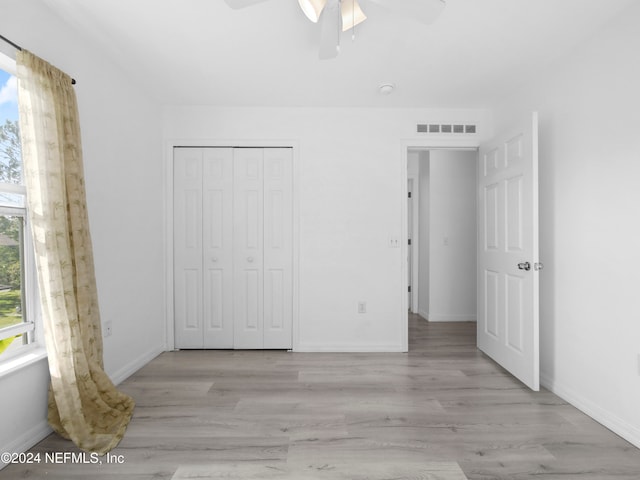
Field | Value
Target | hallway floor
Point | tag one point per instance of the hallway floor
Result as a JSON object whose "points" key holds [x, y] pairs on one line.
{"points": [[443, 411]]}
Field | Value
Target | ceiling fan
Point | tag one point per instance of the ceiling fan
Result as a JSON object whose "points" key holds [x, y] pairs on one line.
{"points": [[336, 16]]}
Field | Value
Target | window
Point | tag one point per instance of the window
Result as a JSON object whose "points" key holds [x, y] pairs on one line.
{"points": [[17, 326]]}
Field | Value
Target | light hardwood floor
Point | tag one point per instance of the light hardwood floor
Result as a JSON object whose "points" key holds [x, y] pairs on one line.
{"points": [[442, 411]]}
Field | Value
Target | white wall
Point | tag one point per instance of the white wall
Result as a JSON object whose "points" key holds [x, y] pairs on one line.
{"points": [[448, 235], [121, 134], [351, 198], [589, 223]]}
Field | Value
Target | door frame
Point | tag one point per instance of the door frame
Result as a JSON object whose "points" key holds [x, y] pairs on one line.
{"points": [[169, 145], [412, 225], [424, 144]]}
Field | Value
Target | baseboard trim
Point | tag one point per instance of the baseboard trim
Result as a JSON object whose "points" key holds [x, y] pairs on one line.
{"points": [[121, 375], [600, 415], [423, 314], [27, 440], [456, 317], [348, 348]]}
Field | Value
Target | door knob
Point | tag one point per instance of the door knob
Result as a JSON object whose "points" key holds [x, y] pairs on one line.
{"points": [[250, 259], [214, 259], [524, 266]]}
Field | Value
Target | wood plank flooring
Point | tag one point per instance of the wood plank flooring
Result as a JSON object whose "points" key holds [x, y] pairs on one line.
{"points": [[443, 411]]}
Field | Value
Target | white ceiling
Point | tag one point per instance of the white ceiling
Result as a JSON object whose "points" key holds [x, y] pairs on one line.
{"points": [[202, 52]]}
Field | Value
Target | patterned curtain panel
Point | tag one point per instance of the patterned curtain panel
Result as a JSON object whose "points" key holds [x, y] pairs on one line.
{"points": [[84, 405]]}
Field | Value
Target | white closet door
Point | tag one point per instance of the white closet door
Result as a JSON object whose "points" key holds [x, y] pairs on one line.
{"points": [[248, 248], [188, 247], [233, 248], [278, 248], [217, 224]]}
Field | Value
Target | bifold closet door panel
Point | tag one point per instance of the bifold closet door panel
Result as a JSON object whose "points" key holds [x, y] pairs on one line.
{"points": [[248, 191], [278, 248], [233, 247], [217, 226], [187, 208]]}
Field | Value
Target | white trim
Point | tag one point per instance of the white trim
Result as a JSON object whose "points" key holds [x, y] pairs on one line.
{"points": [[600, 415], [24, 357], [441, 143], [404, 250], [307, 347], [132, 367], [15, 188], [8, 58], [31, 312], [16, 210], [295, 326], [415, 241], [17, 329], [169, 341], [169, 145], [423, 314], [27, 440], [452, 317]]}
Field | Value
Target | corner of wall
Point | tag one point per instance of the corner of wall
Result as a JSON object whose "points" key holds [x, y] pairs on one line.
{"points": [[136, 364]]}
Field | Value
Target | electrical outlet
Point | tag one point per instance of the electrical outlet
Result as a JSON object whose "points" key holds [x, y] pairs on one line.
{"points": [[394, 242], [108, 328], [362, 307]]}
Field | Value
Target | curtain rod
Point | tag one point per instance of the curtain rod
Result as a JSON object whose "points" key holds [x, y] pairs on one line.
{"points": [[18, 47]]}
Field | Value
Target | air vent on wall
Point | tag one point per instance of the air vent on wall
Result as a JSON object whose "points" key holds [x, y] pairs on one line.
{"points": [[447, 128]]}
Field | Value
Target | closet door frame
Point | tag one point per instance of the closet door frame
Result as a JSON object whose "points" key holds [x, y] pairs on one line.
{"points": [[169, 147]]}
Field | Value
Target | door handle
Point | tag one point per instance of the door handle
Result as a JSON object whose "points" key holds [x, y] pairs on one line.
{"points": [[524, 266], [250, 259]]}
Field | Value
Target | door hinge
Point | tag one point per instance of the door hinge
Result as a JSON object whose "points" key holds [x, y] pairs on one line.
{"points": [[409, 194], [409, 288], [409, 241]]}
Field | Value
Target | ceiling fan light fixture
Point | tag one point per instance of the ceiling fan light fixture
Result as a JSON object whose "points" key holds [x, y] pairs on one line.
{"points": [[352, 14], [312, 8]]}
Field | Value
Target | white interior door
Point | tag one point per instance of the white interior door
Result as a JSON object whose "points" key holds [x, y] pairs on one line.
{"points": [[508, 323], [187, 238]]}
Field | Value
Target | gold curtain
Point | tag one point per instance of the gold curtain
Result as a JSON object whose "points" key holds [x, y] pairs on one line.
{"points": [[84, 405]]}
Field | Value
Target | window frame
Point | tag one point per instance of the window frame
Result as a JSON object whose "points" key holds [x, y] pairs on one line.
{"points": [[32, 327]]}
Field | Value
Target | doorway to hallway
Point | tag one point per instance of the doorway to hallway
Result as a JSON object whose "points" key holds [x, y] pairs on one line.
{"points": [[441, 228]]}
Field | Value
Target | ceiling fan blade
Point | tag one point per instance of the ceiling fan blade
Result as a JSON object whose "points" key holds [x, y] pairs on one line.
{"points": [[236, 4], [425, 11], [312, 8], [330, 29], [352, 14]]}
